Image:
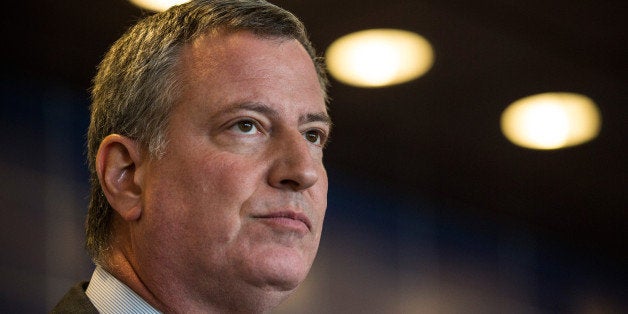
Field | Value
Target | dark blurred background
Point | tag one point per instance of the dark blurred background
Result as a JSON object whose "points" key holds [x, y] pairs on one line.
{"points": [[431, 209]]}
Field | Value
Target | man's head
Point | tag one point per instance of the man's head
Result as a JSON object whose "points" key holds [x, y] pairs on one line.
{"points": [[205, 150]]}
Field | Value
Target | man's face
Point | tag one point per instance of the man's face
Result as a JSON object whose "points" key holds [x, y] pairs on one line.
{"points": [[239, 197]]}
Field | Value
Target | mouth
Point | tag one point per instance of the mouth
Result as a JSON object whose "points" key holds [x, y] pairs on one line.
{"points": [[287, 219]]}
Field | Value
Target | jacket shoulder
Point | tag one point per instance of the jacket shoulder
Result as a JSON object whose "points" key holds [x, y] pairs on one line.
{"points": [[75, 301]]}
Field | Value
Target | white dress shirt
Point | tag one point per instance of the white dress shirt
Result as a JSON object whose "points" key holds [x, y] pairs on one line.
{"points": [[110, 296]]}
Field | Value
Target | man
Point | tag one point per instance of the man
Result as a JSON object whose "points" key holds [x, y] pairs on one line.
{"points": [[205, 147]]}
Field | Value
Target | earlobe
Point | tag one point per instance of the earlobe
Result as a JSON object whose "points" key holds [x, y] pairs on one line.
{"points": [[117, 162]]}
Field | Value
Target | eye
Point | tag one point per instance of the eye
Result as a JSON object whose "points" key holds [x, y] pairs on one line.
{"points": [[246, 127], [313, 136]]}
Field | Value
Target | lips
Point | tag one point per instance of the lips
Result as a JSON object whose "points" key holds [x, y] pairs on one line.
{"points": [[296, 216]]}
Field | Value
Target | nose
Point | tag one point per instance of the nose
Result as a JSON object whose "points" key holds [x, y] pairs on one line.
{"points": [[293, 165]]}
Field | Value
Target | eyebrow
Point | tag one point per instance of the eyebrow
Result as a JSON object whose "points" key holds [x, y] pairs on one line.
{"points": [[253, 106], [316, 117], [266, 110]]}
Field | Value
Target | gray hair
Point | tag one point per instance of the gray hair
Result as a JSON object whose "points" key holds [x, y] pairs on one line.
{"points": [[137, 83]]}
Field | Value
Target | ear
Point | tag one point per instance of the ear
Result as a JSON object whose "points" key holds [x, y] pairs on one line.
{"points": [[118, 164]]}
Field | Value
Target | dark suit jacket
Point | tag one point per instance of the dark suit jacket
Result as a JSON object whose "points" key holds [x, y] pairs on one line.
{"points": [[75, 301]]}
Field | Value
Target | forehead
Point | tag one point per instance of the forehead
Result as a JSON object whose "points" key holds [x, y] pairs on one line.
{"points": [[228, 62]]}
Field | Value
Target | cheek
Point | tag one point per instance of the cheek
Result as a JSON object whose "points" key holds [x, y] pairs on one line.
{"points": [[218, 177], [225, 180], [217, 188], [198, 196], [319, 198]]}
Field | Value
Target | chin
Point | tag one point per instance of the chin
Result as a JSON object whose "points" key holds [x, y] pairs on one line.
{"points": [[282, 271]]}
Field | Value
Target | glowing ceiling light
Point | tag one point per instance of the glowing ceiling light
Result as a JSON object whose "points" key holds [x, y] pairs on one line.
{"points": [[379, 57], [157, 5], [551, 120]]}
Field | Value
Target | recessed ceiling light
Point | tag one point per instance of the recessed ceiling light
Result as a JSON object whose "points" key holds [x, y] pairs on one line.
{"points": [[551, 120], [379, 57], [157, 5]]}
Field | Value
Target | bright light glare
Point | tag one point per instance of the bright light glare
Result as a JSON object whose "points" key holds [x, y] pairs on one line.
{"points": [[157, 5], [551, 120], [379, 57]]}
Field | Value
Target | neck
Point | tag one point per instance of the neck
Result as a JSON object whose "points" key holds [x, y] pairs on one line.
{"points": [[171, 293]]}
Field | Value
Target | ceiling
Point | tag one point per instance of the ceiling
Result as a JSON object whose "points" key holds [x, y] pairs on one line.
{"points": [[436, 137]]}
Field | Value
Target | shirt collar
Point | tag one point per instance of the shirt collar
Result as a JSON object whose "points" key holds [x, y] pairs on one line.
{"points": [[109, 295]]}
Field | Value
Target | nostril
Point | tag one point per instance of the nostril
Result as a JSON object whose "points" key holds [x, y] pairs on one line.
{"points": [[291, 183]]}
